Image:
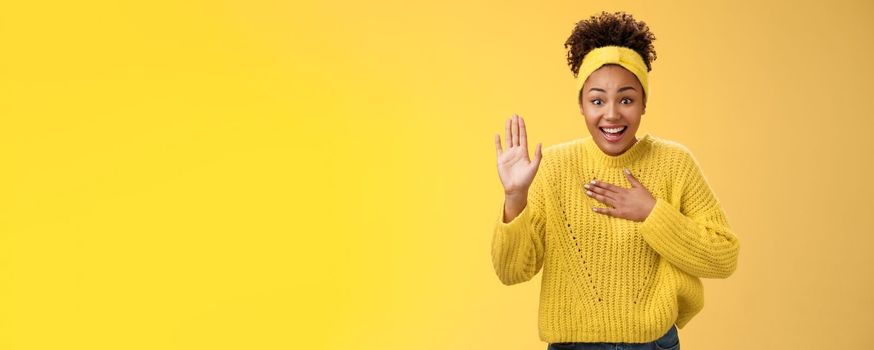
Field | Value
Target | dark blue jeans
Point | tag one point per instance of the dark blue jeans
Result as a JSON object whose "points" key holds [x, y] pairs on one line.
{"points": [[669, 341]]}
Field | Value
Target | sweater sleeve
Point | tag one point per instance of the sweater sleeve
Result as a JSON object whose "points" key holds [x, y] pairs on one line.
{"points": [[518, 246], [694, 235]]}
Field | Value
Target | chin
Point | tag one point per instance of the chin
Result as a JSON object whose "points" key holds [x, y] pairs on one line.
{"points": [[615, 148]]}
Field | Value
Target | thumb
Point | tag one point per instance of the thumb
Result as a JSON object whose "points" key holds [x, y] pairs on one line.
{"points": [[631, 178], [538, 155]]}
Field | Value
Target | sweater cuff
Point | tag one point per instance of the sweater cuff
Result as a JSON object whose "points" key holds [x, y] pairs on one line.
{"points": [[519, 223], [661, 228]]}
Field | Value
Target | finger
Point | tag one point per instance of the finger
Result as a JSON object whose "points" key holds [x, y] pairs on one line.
{"points": [[523, 136], [515, 130], [538, 155], [591, 189], [632, 179], [509, 133], [606, 186], [498, 144], [605, 211], [601, 198]]}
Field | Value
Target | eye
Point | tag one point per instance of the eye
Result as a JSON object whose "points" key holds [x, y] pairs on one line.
{"points": [[596, 102], [628, 99]]}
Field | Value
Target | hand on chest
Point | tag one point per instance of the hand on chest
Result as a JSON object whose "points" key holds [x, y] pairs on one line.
{"points": [[614, 193]]}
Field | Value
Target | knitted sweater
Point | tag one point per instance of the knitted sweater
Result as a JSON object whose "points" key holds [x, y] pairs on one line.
{"points": [[608, 279]]}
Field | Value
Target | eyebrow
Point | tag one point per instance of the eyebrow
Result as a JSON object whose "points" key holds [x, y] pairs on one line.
{"points": [[620, 89]]}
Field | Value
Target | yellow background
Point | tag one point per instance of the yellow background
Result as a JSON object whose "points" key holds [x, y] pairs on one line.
{"points": [[321, 175]]}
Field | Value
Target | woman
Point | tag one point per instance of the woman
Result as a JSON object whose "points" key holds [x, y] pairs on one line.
{"points": [[623, 226]]}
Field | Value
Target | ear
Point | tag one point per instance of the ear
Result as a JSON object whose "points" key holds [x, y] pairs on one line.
{"points": [[580, 101]]}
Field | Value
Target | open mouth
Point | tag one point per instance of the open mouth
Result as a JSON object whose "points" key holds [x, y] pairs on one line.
{"points": [[613, 134]]}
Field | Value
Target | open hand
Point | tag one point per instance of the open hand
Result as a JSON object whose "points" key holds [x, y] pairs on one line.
{"points": [[633, 203], [515, 168]]}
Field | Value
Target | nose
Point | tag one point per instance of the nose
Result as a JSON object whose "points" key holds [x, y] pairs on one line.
{"points": [[612, 113]]}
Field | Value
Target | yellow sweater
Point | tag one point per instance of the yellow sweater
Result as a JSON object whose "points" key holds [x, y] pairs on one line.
{"points": [[608, 279]]}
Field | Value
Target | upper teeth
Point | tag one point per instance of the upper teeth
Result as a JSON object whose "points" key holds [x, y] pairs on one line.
{"points": [[614, 130]]}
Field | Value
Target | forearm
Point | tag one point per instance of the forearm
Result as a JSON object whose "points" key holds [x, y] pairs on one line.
{"points": [[702, 246], [517, 244]]}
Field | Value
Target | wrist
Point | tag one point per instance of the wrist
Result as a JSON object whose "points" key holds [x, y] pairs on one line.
{"points": [[516, 195], [514, 204]]}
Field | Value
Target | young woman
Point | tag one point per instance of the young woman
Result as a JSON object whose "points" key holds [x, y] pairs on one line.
{"points": [[624, 227]]}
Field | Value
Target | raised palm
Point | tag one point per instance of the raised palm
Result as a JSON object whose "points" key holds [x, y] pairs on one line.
{"points": [[514, 167]]}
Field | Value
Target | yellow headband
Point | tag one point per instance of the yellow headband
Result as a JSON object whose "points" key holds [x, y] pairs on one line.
{"points": [[620, 55]]}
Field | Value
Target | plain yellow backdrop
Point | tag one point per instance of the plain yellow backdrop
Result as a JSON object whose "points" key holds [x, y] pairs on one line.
{"points": [[321, 174]]}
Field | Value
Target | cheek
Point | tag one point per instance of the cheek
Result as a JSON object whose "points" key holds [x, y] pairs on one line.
{"points": [[587, 113]]}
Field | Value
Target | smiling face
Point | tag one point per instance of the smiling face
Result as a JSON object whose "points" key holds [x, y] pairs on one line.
{"points": [[612, 102]]}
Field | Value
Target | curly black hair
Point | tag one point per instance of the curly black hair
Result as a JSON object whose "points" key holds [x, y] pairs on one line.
{"points": [[618, 28]]}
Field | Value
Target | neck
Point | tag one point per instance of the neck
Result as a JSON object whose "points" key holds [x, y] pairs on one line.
{"points": [[635, 151]]}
